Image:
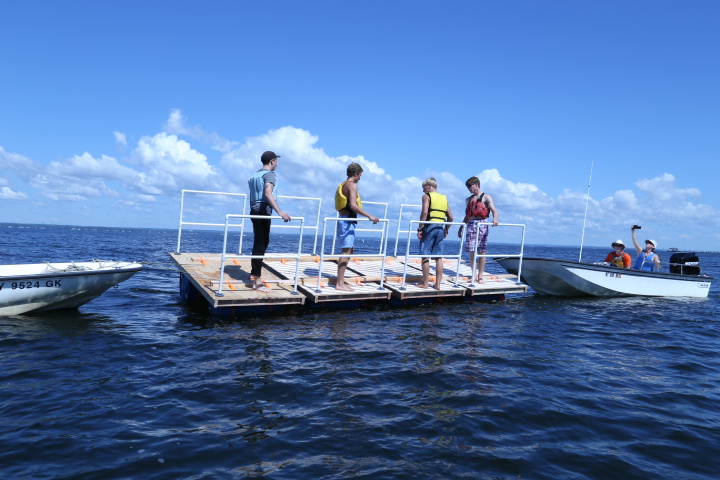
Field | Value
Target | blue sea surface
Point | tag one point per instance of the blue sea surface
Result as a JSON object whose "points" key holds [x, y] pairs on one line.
{"points": [[136, 384]]}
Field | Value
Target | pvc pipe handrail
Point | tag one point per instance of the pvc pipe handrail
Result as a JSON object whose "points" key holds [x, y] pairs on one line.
{"points": [[399, 231], [225, 256], [383, 247], [337, 215], [182, 209]]}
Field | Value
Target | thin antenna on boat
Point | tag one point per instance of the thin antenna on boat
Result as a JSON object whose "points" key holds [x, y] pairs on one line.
{"points": [[587, 201]]}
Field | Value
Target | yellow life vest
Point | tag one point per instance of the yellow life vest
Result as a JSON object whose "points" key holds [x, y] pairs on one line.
{"points": [[341, 200], [438, 207], [618, 261]]}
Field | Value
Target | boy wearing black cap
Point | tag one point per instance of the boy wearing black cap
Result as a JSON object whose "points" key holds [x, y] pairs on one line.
{"points": [[262, 202]]}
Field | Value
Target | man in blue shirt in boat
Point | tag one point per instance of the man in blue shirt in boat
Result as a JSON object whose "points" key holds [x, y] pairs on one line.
{"points": [[262, 202], [647, 259]]}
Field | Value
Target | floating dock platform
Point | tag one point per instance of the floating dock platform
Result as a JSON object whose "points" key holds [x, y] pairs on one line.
{"points": [[200, 281]]}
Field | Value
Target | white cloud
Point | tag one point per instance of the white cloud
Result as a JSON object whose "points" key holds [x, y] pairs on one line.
{"points": [[20, 165], [86, 166], [7, 193], [657, 199], [176, 125], [170, 165], [517, 196], [74, 191], [121, 140], [163, 164]]}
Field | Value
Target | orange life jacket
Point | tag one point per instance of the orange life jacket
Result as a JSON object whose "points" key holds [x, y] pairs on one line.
{"points": [[477, 208]]}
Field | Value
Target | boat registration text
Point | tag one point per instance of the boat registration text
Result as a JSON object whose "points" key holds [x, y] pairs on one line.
{"points": [[30, 284]]}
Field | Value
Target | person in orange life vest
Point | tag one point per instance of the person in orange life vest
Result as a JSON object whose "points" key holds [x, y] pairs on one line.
{"points": [[435, 209], [618, 257], [647, 260], [348, 205], [478, 207]]}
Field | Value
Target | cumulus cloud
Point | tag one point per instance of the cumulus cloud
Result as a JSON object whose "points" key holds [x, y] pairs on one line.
{"points": [[515, 195], [657, 198], [303, 169], [164, 163], [170, 165]]}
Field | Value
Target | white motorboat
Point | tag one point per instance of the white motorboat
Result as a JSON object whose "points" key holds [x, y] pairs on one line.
{"points": [[52, 286], [571, 279]]}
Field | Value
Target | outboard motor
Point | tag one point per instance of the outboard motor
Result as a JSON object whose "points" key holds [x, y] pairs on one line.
{"points": [[685, 263]]}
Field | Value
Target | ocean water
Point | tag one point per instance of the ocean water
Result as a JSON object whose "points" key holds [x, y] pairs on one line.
{"points": [[135, 384]]}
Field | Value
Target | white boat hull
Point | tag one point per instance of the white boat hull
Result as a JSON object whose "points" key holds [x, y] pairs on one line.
{"points": [[42, 287], [567, 278]]}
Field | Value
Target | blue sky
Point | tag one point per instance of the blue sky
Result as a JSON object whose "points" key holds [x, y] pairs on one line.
{"points": [[109, 109]]}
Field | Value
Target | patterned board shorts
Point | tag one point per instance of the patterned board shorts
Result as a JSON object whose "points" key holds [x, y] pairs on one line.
{"points": [[476, 228]]}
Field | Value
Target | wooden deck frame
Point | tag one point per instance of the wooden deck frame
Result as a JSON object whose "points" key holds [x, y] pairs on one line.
{"points": [[202, 270]]}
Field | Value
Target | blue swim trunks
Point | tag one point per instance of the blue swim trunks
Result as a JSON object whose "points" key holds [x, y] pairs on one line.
{"points": [[432, 237], [346, 233]]}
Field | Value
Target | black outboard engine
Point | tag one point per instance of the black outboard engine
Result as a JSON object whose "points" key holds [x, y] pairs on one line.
{"points": [[685, 263]]}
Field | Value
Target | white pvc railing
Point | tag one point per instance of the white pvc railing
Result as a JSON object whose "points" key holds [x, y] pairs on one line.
{"points": [[383, 241], [399, 231], [226, 256], [363, 229], [477, 255], [462, 244], [182, 211], [408, 255], [316, 227], [383, 246]]}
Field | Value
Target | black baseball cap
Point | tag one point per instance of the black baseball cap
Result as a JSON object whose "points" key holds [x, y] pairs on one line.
{"points": [[268, 156]]}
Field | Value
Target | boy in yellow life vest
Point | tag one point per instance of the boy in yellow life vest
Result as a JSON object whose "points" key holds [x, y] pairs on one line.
{"points": [[435, 209], [348, 205]]}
